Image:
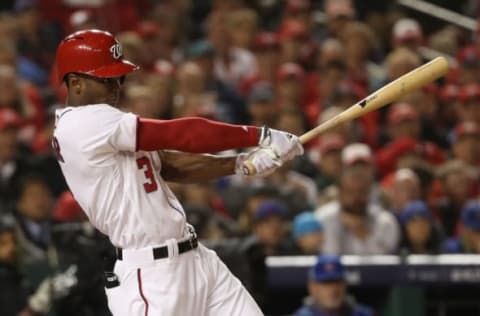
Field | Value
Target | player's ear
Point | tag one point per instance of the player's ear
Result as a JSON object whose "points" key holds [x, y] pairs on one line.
{"points": [[74, 83]]}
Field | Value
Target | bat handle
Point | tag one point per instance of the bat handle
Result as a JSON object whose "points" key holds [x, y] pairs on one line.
{"points": [[249, 169]]}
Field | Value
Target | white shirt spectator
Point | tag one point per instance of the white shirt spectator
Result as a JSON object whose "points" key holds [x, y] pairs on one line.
{"points": [[242, 65], [383, 229]]}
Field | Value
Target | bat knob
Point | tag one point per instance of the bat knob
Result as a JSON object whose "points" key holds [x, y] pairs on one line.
{"points": [[248, 169]]}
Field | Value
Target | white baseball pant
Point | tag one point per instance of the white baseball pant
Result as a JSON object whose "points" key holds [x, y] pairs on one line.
{"points": [[196, 282]]}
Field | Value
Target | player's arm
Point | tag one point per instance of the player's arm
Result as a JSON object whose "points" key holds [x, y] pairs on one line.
{"points": [[194, 135], [198, 135], [193, 168]]}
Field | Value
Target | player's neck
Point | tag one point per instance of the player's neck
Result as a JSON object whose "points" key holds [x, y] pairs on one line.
{"points": [[75, 100]]}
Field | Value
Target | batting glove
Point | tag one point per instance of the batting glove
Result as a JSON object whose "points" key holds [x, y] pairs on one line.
{"points": [[264, 160], [285, 145]]}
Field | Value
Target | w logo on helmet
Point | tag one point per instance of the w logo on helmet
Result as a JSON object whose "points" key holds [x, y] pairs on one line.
{"points": [[116, 50]]}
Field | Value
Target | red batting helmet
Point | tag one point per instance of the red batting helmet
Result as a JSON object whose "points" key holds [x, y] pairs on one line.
{"points": [[92, 52]]}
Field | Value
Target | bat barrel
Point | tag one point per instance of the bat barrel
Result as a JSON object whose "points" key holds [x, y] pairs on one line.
{"points": [[393, 91]]}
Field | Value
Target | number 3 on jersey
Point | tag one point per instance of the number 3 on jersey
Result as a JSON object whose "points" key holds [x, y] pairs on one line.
{"points": [[144, 164]]}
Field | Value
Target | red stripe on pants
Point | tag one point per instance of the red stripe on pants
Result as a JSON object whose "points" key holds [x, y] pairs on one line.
{"points": [[140, 289]]}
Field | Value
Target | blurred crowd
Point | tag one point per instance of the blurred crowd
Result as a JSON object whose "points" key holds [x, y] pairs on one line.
{"points": [[401, 180]]}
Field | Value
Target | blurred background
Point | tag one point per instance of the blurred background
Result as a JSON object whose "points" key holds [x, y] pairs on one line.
{"points": [[395, 193]]}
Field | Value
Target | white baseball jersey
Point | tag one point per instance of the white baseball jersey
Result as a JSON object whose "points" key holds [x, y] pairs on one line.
{"points": [[119, 189]]}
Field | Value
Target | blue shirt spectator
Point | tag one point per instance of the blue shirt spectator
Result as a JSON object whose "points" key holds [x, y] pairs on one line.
{"points": [[469, 239], [327, 289]]}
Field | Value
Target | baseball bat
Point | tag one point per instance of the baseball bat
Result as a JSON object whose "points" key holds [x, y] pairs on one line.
{"points": [[389, 93]]}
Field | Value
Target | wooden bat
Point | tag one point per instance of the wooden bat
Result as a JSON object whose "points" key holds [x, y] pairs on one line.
{"points": [[389, 93]]}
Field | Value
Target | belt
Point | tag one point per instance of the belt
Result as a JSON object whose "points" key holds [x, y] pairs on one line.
{"points": [[162, 252]]}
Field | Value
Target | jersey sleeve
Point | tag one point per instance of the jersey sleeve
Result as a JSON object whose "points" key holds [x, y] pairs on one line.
{"points": [[122, 135], [107, 131]]}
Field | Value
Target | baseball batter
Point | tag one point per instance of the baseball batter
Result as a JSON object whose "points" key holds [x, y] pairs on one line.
{"points": [[116, 165]]}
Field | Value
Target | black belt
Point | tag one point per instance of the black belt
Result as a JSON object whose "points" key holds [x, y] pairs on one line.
{"points": [[162, 252]]}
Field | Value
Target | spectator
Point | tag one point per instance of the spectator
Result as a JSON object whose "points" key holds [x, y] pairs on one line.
{"points": [[293, 36], [145, 41], [267, 56], [323, 88], [328, 291], [140, 100], [468, 65], [161, 82], [353, 225], [457, 180], [360, 156], [291, 120], [404, 189], [13, 294], [467, 107], [269, 227], [9, 30], [360, 45], [307, 233], [421, 235], [344, 95], [466, 144], [171, 31], [34, 209], [246, 200], [399, 62], [12, 165], [339, 14], [192, 97], [242, 26], [8, 51], [37, 42], [327, 157], [290, 85], [331, 50], [299, 11], [342, 130], [432, 124], [203, 54], [232, 64], [299, 191], [469, 239], [408, 153], [210, 226], [403, 122], [23, 98], [75, 286], [260, 104], [407, 33]]}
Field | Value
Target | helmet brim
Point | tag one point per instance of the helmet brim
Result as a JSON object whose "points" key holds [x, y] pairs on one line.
{"points": [[116, 69]]}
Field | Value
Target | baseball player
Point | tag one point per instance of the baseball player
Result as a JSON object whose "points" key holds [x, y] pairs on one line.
{"points": [[116, 165]]}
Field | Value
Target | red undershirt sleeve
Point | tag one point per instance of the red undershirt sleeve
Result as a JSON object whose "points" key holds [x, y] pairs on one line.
{"points": [[193, 135]]}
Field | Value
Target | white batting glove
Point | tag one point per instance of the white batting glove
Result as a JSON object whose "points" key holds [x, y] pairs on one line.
{"points": [[264, 160], [285, 145]]}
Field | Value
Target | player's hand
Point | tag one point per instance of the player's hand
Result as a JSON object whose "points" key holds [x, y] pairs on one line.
{"points": [[264, 160], [285, 145]]}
